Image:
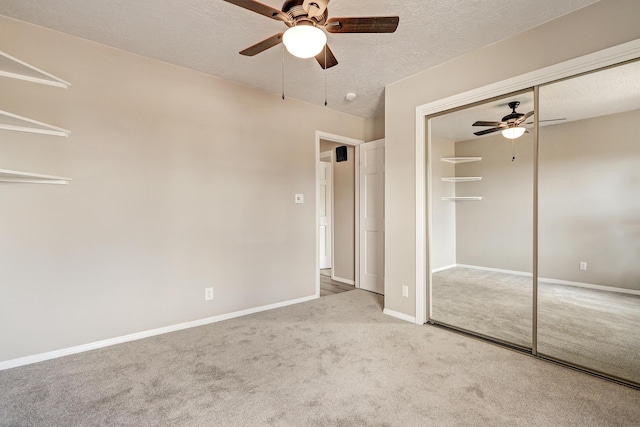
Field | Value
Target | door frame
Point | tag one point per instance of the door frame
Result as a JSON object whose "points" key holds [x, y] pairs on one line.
{"points": [[356, 144], [603, 58]]}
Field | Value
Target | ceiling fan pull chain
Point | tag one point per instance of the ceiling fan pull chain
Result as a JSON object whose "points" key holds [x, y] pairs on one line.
{"points": [[513, 149], [283, 72], [325, 75]]}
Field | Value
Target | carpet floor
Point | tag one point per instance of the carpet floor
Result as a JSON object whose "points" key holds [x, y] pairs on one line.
{"points": [[333, 361], [596, 329]]}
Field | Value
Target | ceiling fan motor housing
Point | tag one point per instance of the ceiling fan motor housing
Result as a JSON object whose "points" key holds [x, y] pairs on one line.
{"points": [[510, 118], [296, 12]]}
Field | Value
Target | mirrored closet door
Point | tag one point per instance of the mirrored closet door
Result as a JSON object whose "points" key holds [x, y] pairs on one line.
{"points": [[589, 222], [480, 220]]}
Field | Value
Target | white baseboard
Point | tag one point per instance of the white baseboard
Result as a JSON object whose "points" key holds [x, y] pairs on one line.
{"points": [[399, 315], [14, 363], [446, 267], [345, 281], [497, 270], [555, 281]]}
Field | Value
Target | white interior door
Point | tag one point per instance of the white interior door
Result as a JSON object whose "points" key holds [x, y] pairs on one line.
{"points": [[372, 216], [325, 210]]}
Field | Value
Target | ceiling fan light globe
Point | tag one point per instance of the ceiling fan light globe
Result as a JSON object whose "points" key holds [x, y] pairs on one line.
{"points": [[513, 133], [304, 41]]}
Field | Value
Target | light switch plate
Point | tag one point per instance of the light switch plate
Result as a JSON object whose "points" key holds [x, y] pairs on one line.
{"points": [[299, 198]]}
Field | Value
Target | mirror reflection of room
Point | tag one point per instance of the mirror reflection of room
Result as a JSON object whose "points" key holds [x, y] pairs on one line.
{"points": [[589, 219], [482, 221], [481, 218]]}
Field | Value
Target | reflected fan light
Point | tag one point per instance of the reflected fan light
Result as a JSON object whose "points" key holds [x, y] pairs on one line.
{"points": [[513, 133], [304, 41]]}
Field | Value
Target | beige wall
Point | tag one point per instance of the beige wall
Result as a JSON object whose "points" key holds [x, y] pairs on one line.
{"points": [[497, 231], [595, 27], [589, 201], [443, 213], [344, 210], [181, 181], [374, 129]]}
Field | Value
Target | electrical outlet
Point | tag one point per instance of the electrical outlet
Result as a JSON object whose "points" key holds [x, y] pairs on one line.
{"points": [[405, 291], [208, 294], [583, 265]]}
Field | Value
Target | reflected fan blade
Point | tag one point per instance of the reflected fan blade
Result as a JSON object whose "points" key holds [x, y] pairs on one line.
{"points": [[331, 59], [481, 123], [486, 131], [373, 24], [260, 8], [525, 117], [265, 44], [549, 120]]}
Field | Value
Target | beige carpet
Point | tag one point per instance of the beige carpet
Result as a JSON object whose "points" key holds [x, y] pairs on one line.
{"points": [[334, 361], [592, 328]]}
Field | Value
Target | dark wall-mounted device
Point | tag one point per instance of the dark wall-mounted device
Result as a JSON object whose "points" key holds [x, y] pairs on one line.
{"points": [[341, 154]]}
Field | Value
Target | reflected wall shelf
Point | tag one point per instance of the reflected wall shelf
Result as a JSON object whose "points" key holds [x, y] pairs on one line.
{"points": [[10, 121], [16, 69], [462, 199], [462, 178], [17, 177], [460, 159]]}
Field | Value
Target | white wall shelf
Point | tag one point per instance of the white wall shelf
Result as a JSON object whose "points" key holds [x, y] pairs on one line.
{"points": [[462, 178], [17, 177], [16, 69], [462, 199], [14, 122], [460, 159]]}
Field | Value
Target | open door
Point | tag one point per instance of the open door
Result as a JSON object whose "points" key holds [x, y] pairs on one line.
{"points": [[372, 216], [325, 223]]}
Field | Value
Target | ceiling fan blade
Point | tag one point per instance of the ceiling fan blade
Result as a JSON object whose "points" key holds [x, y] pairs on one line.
{"points": [[525, 117], [265, 44], [372, 24], [331, 59], [260, 8], [548, 120], [486, 131], [481, 123]]}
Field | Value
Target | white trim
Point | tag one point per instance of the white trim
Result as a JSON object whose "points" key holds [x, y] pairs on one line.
{"points": [[423, 221], [14, 363], [345, 281], [347, 141], [495, 270], [552, 281], [356, 221], [399, 315], [55, 81], [616, 54], [446, 267]]}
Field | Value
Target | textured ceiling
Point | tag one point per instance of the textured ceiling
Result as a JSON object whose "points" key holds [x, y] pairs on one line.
{"points": [[206, 35]]}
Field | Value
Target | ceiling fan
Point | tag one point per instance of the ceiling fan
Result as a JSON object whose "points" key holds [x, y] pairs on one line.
{"points": [[306, 19], [511, 124]]}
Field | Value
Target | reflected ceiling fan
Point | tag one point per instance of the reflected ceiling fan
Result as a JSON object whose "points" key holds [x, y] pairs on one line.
{"points": [[511, 124], [306, 20]]}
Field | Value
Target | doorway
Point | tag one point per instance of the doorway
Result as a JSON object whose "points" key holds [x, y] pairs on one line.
{"points": [[336, 211], [358, 236]]}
